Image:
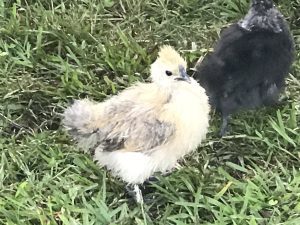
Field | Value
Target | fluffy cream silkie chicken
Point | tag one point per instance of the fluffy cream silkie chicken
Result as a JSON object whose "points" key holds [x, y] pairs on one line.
{"points": [[147, 127]]}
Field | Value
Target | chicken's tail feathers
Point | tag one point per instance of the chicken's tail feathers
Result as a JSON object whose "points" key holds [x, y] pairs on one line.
{"points": [[79, 120], [79, 116]]}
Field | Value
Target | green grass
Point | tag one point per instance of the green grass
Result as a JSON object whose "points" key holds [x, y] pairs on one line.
{"points": [[53, 51]]}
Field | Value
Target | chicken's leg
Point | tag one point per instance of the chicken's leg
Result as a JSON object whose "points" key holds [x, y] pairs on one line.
{"points": [[224, 125], [135, 192]]}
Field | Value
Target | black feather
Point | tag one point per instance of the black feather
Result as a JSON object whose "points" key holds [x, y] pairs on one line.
{"points": [[249, 64]]}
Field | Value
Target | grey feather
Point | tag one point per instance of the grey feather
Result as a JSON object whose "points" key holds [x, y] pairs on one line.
{"points": [[126, 123], [77, 118], [137, 126], [263, 15]]}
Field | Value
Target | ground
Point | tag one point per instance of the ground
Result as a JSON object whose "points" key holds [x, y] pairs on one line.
{"points": [[54, 51]]}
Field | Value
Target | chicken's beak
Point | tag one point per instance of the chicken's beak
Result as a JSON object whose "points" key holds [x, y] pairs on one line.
{"points": [[183, 75]]}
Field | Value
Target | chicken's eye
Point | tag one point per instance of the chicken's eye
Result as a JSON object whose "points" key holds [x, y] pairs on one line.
{"points": [[168, 73]]}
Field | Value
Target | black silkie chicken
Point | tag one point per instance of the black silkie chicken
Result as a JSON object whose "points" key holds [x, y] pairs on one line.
{"points": [[249, 63]]}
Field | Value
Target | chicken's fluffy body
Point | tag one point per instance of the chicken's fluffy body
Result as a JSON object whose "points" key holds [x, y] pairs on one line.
{"points": [[144, 129], [249, 63]]}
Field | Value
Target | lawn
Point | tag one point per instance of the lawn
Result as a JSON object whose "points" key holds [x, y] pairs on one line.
{"points": [[54, 51]]}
